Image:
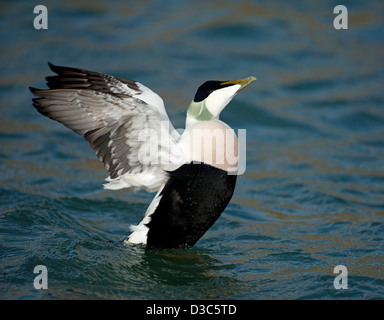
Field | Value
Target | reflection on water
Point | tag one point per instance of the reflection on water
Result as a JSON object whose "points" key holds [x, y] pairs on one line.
{"points": [[311, 197]]}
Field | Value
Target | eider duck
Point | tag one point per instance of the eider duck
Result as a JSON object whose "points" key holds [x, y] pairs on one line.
{"points": [[194, 172]]}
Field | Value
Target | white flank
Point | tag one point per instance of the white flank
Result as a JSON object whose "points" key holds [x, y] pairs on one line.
{"points": [[140, 232]]}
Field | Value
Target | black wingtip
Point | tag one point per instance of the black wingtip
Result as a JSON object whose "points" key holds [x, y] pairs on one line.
{"points": [[33, 90], [52, 66]]}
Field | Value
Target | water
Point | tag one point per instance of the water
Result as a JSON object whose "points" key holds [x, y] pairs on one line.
{"points": [[312, 196]]}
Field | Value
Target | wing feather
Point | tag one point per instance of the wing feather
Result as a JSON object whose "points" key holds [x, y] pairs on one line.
{"points": [[112, 114]]}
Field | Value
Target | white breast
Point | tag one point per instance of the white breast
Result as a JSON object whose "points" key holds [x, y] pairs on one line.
{"points": [[212, 142]]}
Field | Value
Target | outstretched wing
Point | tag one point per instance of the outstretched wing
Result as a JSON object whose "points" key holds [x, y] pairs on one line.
{"points": [[124, 122]]}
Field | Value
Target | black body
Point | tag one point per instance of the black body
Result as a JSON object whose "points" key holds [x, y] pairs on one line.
{"points": [[192, 200]]}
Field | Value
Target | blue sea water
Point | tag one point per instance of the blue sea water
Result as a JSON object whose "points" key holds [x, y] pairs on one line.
{"points": [[312, 195]]}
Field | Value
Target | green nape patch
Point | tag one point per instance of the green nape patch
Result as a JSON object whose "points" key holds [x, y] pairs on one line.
{"points": [[199, 111]]}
